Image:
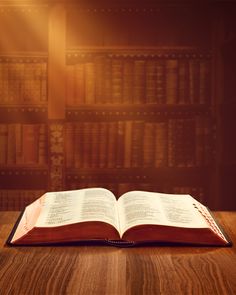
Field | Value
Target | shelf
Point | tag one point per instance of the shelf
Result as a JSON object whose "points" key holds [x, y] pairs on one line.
{"points": [[30, 114], [73, 53], [17, 56], [138, 6], [134, 111], [23, 178], [178, 176], [24, 170]]}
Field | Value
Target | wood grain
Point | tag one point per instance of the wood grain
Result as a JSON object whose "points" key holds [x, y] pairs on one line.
{"points": [[109, 270]]}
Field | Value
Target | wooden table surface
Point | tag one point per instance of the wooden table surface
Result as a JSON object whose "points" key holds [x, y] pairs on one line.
{"points": [[110, 270]]}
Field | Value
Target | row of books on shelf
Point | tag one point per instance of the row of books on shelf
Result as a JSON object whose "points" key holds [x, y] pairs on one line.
{"points": [[23, 144], [128, 144], [23, 81], [18, 199], [171, 80], [133, 144]]}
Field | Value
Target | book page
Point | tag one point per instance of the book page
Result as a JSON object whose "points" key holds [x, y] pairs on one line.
{"points": [[68, 207], [137, 208]]}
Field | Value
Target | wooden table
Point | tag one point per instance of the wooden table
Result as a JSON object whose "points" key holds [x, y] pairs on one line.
{"points": [[110, 270]]}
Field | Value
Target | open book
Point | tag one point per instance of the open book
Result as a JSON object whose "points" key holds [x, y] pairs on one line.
{"points": [[94, 214]]}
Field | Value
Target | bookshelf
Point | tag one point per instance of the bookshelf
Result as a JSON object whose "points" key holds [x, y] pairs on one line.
{"points": [[226, 62], [127, 95], [23, 103], [138, 103]]}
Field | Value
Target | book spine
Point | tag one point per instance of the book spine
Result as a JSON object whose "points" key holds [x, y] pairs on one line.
{"points": [[160, 81], [87, 147], [112, 144], [5, 67], [70, 144], [208, 144], [82, 83], [171, 81], [161, 144], [188, 142], [171, 142], [90, 83], [37, 83], [78, 140], [151, 79], [99, 79], [179, 138], [42, 145], [30, 73], [194, 71], [27, 76], [139, 81], [117, 81], [1, 83], [137, 144], [11, 144], [12, 83], [199, 133], [9, 98], [5, 82], [128, 83], [183, 78], [19, 144], [30, 143], [43, 82], [102, 146], [128, 144], [70, 85], [22, 78], [107, 81], [3, 143], [120, 144], [148, 145], [204, 82], [18, 74], [96, 138]]}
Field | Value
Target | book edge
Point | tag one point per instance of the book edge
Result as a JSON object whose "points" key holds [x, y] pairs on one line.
{"points": [[118, 243], [226, 236], [9, 239]]}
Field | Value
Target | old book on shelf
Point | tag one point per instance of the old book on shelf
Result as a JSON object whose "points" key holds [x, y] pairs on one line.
{"points": [[94, 214]]}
